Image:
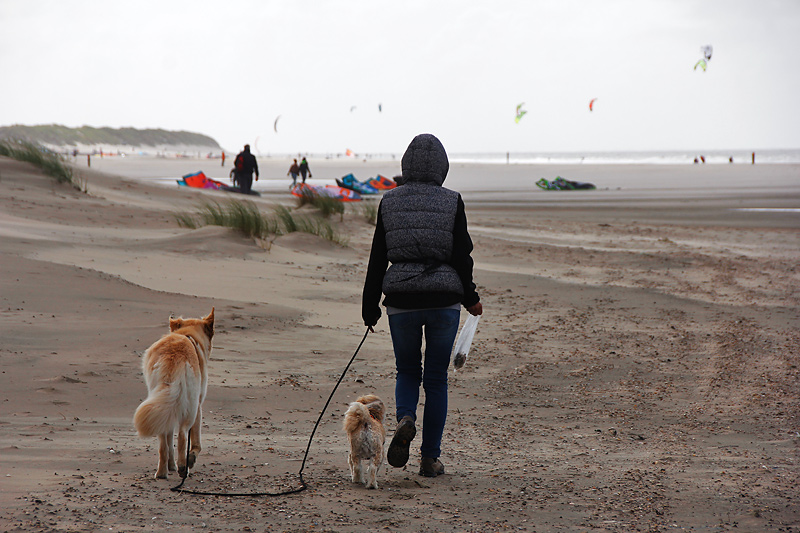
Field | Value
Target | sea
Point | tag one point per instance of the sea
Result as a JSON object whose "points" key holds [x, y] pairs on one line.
{"points": [[775, 156], [677, 157]]}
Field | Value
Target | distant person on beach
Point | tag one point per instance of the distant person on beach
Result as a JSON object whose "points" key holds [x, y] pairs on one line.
{"points": [[294, 170], [421, 229], [223, 159], [243, 166], [304, 169]]}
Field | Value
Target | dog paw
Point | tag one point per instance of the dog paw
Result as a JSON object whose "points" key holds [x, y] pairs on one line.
{"points": [[183, 471], [161, 475], [172, 467], [190, 459]]}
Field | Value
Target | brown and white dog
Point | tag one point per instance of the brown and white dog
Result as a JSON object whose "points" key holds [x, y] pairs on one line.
{"points": [[176, 373], [363, 423]]}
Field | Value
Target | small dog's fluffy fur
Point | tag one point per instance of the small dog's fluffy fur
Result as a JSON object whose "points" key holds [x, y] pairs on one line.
{"points": [[176, 373], [363, 423]]}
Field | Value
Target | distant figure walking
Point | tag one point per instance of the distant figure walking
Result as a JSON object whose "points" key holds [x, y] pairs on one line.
{"points": [[304, 169], [223, 159], [243, 166], [294, 170]]}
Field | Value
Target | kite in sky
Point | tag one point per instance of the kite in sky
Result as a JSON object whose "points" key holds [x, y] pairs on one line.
{"points": [[275, 125], [703, 62], [520, 113], [591, 104]]}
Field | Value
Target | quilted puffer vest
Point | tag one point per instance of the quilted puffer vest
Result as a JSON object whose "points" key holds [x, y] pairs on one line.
{"points": [[418, 219]]}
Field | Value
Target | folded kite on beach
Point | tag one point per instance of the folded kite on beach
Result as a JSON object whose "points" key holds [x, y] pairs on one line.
{"points": [[382, 183], [199, 180], [561, 184], [339, 193], [350, 182]]}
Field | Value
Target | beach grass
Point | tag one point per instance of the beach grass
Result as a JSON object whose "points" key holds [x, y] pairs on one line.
{"points": [[327, 205], [369, 210], [245, 217], [49, 162]]}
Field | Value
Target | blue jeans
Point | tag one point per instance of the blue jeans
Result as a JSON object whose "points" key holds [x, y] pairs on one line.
{"points": [[440, 327]]}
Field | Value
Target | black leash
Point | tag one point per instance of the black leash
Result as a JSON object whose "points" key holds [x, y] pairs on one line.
{"points": [[303, 486]]}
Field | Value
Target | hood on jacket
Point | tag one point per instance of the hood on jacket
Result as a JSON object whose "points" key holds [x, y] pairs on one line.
{"points": [[425, 160]]}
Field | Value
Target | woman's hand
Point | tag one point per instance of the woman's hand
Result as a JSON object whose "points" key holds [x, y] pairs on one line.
{"points": [[476, 309]]}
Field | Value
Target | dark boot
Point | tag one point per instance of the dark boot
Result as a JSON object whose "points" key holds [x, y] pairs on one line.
{"points": [[397, 455], [430, 467]]}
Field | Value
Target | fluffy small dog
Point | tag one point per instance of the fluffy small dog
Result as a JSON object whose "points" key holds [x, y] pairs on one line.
{"points": [[175, 370], [363, 423]]}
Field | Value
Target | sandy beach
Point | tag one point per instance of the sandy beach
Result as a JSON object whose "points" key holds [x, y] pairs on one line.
{"points": [[637, 366]]}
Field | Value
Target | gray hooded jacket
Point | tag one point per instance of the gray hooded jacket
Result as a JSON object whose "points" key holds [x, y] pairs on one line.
{"points": [[422, 232], [418, 219]]}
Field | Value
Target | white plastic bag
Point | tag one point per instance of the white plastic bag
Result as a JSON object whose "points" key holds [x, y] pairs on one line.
{"points": [[464, 341]]}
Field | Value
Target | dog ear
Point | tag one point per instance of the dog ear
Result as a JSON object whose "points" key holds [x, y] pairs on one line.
{"points": [[175, 323], [208, 325]]}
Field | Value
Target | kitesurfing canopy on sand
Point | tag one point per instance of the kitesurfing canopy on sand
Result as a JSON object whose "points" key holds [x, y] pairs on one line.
{"points": [[350, 182], [199, 180], [561, 184], [336, 192]]}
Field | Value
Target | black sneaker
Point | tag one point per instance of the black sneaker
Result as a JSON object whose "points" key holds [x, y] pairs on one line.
{"points": [[430, 467], [397, 456]]}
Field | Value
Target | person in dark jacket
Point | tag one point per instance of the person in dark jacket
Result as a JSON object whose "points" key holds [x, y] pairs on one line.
{"points": [[304, 170], [243, 167], [421, 230], [294, 170]]}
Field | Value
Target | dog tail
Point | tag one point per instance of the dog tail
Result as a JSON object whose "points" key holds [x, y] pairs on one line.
{"points": [[169, 405], [357, 415]]}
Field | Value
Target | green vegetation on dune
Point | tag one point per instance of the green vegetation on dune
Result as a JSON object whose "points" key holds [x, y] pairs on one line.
{"points": [[327, 205], [246, 218], [51, 163], [57, 135]]}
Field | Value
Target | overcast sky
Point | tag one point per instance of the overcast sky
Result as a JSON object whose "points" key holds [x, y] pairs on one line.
{"points": [[455, 68]]}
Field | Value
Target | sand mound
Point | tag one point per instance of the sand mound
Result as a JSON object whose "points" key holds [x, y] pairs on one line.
{"points": [[213, 240]]}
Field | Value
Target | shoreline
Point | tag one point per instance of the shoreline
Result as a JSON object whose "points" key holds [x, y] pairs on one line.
{"points": [[763, 156], [672, 190]]}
